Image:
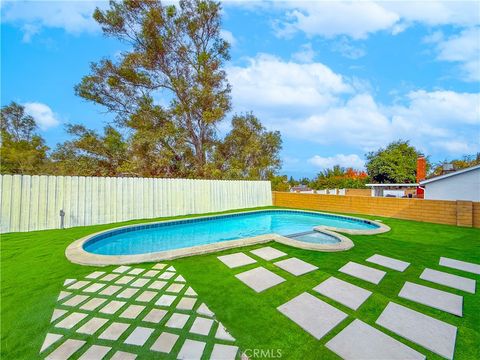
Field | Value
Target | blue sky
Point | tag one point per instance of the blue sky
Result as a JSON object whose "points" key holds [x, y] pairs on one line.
{"points": [[338, 79]]}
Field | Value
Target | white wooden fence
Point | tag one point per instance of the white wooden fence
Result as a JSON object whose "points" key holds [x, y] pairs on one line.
{"points": [[34, 202]]}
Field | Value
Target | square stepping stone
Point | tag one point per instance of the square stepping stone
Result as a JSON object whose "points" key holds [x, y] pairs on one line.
{"points": [[146, 296], [204, 310], [112, 289], [67, 349], [312, 314], [157, 285], [152, 273], [171, 268], [94, 288], [75, 300], [139, 336], [177, 321], [122, 355], [434, 335], [78, 285], [295, 266], [127, 293], [121, 269], [450, 280], [166, 275], [112, 307], [110, 277], [224, 352], [50, 339], [363, 272], [201, 326], [124, 280], [434, 298], [92, 304], [236, 260], [159, 266], [92, 325], [460, 265], [180, 278], [71, 320], [139, 282], [155, 316], [165, 300], [95, 352], [114, 331], [268, 253], [190, 292], [132, 311], [57, 313], [362, 341], [165, 342], [186, 303], [191, 350], [69, 281], [343, 292], [63, 295], [175, 288], [223, 334], [136, 271], [388, 262], [259, 279], [94, 275]]}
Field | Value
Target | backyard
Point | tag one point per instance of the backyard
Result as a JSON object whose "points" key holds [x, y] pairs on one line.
{"points": [[34, 268]]}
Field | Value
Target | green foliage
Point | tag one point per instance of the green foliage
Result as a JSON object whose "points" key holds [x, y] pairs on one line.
{"points": [[248, 151], [91, 154], [397, 163], [279, 183], [462, 163], [23, 151], [339, 178]]}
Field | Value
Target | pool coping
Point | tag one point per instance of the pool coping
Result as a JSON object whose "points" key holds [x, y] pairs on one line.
{"points": [[75, 252]]}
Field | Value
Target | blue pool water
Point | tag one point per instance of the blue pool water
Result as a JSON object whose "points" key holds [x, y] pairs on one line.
{"points": [[186, 233]]}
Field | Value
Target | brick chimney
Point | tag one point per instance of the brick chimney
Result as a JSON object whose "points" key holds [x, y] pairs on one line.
{"points": [[421, 175]]}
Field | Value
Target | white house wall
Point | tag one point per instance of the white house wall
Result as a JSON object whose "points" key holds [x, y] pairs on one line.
{"points": [[464, 186], [30, 203]]}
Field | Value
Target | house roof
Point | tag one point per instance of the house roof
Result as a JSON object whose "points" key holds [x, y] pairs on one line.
{"points": [[387, 185], [441, 177]]}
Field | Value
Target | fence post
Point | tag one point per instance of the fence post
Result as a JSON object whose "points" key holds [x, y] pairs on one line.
{"points": [[464, 213]]}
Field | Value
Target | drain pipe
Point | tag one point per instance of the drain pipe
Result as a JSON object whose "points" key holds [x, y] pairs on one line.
{"points": [[62, 219]]}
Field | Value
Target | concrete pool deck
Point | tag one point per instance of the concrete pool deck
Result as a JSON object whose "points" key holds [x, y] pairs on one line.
{"points": [[76, 253]]}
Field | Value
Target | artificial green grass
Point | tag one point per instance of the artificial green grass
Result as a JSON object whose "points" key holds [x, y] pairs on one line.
{"points": [[33, 268]]}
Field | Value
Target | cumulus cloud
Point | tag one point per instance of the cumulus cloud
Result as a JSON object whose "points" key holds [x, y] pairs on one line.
{"points": [[305, 55], [228, 37], [74, 17], [347, 161], [311, 102], [43, 115]]}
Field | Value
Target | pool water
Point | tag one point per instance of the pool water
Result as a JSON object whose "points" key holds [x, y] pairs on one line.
{"points": [[193, 232], [316, 237]]}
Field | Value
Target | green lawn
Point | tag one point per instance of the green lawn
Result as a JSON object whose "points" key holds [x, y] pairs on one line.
{"points": [[33, 268]]}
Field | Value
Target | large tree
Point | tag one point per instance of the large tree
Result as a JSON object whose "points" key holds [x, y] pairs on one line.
{"points": [[91, 154], [248, 151], [396, 163], [23, 150], [175, 53]]}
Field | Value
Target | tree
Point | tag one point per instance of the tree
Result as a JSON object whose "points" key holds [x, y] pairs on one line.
{"points": [[23, 150], [175, 53], [340, 178], [465, 162], [279, 183], [248, 151], [397, 163], [91, 154]]}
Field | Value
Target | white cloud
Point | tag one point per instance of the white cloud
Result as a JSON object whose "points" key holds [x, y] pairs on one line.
{"points": [[43, 115], [74, 17], [270, 83], [228, 37], [346, 161], [344, 47], [464, 49], [305, 55]]}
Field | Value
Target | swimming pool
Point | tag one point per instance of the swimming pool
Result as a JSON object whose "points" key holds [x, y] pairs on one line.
{"points": [[166, 236]]}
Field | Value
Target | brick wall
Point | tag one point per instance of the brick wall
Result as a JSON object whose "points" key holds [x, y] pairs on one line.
{"points": [[461, 213]]}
